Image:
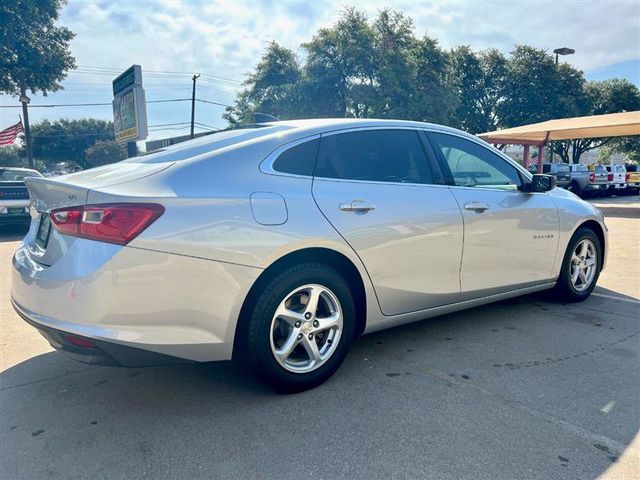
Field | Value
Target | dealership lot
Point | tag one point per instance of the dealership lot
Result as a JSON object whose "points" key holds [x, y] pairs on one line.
{"points": [[525, 388]]}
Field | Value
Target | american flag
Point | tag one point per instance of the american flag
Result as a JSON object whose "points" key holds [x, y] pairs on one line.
{"points": [[9, 134]]}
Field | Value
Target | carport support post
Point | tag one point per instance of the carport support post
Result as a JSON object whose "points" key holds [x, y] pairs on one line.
{"points": [[526, 157], [540, 155]]}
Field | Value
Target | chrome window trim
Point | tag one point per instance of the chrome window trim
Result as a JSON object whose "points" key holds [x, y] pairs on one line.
{"points": [[266, 165]]}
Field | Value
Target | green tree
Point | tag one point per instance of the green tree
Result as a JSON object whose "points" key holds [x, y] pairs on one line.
{"points": [[340, 68], [391, 80], [10, 157], [67, 140], [272, 88], [104, 153], [435, 97], [34, 52], [530, 87]]}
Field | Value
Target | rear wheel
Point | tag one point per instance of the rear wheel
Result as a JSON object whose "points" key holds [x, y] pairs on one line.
{"points": [[575, 188], [301, 327], [580, 267]]}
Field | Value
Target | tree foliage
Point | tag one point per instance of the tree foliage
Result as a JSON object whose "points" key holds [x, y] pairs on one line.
{"points": [[34, 52], [104, 152], [379, 68], [10, 157], [67, 140]]}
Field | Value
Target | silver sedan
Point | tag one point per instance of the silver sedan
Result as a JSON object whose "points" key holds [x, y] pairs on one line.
{"points": [[280, 244]]}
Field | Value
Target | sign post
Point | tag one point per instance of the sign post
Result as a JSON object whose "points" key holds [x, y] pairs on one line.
{"points": [[129, 108]]}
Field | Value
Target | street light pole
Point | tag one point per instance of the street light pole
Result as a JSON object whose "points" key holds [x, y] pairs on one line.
{"points": [[559, 51], [193, 103], [27, 127]]}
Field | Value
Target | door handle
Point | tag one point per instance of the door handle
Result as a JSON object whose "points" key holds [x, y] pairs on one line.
{"points": [[358, 206], [476, 207]]}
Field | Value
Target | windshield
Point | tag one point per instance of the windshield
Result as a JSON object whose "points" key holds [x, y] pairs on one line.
{"points": [[562, 167], [10, 175]]}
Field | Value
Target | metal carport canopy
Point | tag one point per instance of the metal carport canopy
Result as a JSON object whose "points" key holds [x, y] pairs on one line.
{"points": [[596, 126]]}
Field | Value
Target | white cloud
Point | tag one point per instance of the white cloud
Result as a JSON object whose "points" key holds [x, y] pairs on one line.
{"points": [[226, 38]]}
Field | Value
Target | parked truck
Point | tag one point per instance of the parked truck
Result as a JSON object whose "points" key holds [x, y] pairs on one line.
{"points": [[585, 182]]}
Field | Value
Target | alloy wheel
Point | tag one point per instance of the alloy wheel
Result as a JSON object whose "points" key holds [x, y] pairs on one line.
{"points": [[306, 328], [583, 265]]}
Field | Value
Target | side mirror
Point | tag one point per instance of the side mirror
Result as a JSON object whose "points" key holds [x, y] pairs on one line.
{"points": [[540, 183]]}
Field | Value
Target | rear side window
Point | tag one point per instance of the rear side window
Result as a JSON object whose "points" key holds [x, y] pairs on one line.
{"points": [[299, 159], [395, 156]]}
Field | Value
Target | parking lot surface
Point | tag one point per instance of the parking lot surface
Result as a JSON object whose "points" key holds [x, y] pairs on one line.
{"points": [[525, 388]]}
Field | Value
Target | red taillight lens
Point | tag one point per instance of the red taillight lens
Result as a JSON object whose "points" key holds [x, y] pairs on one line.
{"points": [[113, 223], [626, 177], [592, 177], [80, 341], [610, 177]]}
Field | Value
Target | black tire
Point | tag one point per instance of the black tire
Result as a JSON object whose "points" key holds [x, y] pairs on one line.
{"points": [[564, 289], [256, 346], [574, 187]]}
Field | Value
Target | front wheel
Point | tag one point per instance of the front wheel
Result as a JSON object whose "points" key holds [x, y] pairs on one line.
{"points": [[301, 327], [580, 267]]}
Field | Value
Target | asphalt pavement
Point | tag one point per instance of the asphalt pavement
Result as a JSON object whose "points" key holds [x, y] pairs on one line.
{"points": [[526, 388]]}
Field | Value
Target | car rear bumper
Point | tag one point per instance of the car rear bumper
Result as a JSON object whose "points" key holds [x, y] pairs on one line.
{"points": [[124, 297], [97, 352]]}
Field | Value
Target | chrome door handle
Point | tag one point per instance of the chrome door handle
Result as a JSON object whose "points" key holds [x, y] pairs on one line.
{"points": [[476, 207], [358, 206]]}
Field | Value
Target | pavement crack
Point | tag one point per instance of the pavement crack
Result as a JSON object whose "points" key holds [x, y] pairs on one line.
{"points": [[68, 374]]}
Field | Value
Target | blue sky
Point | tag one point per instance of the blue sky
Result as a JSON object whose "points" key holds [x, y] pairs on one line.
{"points": [[224, 39]]}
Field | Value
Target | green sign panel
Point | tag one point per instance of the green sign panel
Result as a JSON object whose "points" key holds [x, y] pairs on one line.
{"points": [[129, 106], [130, 77]]}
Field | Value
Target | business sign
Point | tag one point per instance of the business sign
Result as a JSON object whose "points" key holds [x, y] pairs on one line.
{"points": [[129, 106]]}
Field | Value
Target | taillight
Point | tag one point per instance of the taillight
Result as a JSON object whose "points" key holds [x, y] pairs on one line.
{"points": [[592, 177], [113, 223], [626, 177], [610, 177]]}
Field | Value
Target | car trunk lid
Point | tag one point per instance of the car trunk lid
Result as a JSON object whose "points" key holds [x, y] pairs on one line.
{"points": [[45, 243]]}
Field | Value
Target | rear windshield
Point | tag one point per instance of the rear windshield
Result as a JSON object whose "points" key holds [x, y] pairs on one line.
{"points": [[206, 144], [600, 168], [9, 175], [579, 168], [562, 167]]}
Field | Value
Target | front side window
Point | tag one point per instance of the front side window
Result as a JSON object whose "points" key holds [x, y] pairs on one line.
{"points": [[473, 165], [299, 159], [374, 155]]}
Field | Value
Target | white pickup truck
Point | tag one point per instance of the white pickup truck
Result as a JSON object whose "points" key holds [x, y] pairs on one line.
{"points": [[618, 183], [14, 196]]}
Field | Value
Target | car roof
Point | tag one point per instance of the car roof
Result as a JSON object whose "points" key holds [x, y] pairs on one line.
{"points": [[327, 124]]}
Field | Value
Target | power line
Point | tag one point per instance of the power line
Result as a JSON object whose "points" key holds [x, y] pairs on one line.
{"points": [[213, 103], [94, 104]]}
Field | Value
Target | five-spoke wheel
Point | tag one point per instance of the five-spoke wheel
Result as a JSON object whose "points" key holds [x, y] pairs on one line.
{"points": [[306, 328]]}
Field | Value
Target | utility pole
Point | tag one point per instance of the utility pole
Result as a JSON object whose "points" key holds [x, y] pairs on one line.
{"points": [[193, 103], [27, 128]]}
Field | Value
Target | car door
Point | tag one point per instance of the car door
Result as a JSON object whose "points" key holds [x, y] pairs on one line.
{"points": [[377, 188], [510, 237]]}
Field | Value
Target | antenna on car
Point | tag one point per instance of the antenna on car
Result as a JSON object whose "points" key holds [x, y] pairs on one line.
{"points": [[264, 118]]}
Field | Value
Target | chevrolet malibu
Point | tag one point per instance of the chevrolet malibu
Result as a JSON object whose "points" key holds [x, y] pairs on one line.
{"points": [[280, 244]]}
